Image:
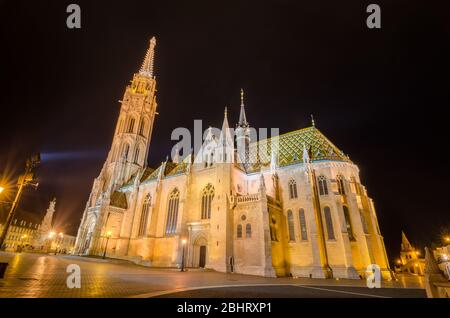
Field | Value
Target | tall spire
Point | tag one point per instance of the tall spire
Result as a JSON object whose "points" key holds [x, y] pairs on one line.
{"points": [[242, 118], [147, 65], [225, 135]]}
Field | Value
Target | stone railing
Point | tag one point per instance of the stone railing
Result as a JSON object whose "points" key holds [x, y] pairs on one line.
{"points": [[248, 198]]}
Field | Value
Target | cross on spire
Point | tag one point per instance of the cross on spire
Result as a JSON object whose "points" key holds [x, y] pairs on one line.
{"points": [[313, 123]]}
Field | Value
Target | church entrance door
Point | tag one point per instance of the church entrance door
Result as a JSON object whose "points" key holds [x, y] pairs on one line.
{"points": [[202, 259]]}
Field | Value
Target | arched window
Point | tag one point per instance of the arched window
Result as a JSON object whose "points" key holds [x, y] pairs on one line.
{"points": [[323, 189], [248, 230], [292, 189], [131, 125], [340, 183], [144, 216], [363, 221], [125, 152], [348, 223], [239, 231], [172, 212], [290, 219], [207, 197], [136, 155], [329, 223], [302, 218], [141, 127]]}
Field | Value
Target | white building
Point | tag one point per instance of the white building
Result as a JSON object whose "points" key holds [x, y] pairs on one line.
{"points": [[289, 205]]}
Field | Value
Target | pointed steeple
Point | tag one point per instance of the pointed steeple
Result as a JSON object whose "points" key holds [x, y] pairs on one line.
{"points": [[147, 65], [242, 118], [225, 136], [406, 246]]}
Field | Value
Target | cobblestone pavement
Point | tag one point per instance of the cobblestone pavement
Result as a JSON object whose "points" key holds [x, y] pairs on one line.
{"points": [[41, 275]]}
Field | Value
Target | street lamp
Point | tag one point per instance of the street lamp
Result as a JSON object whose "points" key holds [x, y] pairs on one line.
{"points": [[182, 255], [108, 235], [447, 239], [27, 178], [1, 189]]}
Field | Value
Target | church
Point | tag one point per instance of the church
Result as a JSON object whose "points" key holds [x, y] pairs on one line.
{"points": [[289, 205]]}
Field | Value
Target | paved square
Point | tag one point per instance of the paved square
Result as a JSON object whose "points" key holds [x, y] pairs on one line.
{"points": [[41, 275]]}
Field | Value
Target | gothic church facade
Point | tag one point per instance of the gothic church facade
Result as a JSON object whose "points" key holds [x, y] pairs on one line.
{"points": [[291, 205]]}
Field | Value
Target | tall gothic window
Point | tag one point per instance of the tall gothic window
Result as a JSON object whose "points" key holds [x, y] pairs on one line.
{"points": [[329, 223], [141, 127], [172, 212], [131, 125], [323, 189], [340, 183], [348, 223], [144, 216], [292, 189], [239, 231], [136, 155], [207, 197], [303, 232], [248, 230], [290, 219]]}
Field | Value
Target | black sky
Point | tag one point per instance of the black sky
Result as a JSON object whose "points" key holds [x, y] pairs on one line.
{"points": [[379, 95]]}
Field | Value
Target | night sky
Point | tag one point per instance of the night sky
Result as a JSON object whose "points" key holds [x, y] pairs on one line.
{"points": [[379, 95]]}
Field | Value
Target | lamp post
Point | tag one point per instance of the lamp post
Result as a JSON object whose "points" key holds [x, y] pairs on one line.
{"points": [[108, 235], [25, 179], [182, 255]]}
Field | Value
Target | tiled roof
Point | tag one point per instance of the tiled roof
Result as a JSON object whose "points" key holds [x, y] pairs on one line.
{"points": [[289, 148], [179, 168]]}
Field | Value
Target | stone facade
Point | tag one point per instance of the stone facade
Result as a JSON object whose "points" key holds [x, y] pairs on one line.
{"points": [[291, 205]]}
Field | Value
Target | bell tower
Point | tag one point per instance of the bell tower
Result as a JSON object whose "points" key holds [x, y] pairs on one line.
{"points": [[131, 141]]}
